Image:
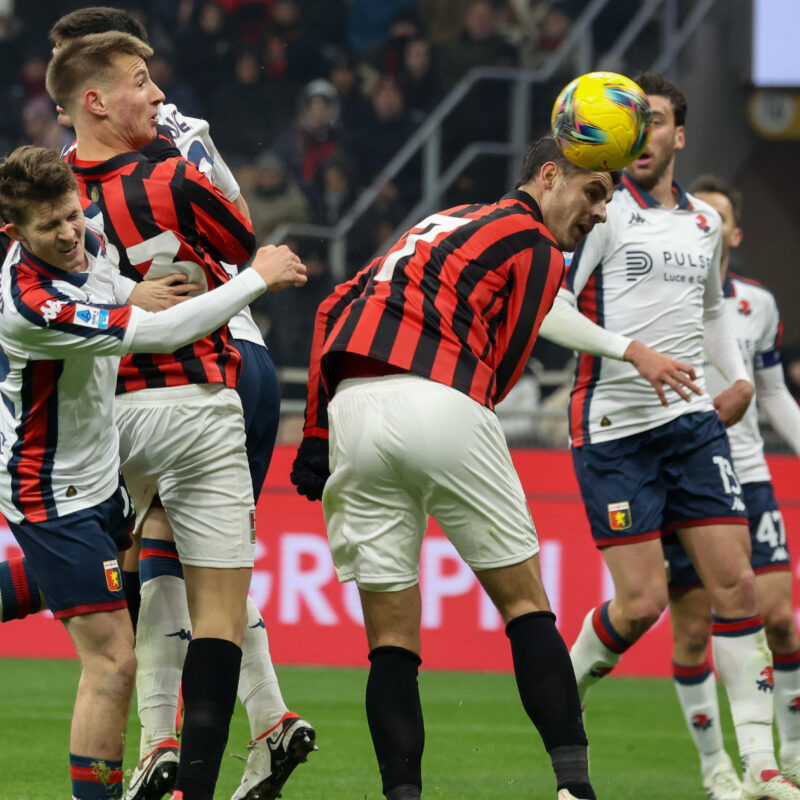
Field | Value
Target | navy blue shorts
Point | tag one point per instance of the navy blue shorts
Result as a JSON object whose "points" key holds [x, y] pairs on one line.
{"points": [[678, 475], [260, 394], [74, 557], [767, 535]]}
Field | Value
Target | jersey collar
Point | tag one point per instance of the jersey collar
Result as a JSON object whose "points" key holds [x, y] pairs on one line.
{"points": [[105, 167], [51, 273], [519, 196], [646, 200]]}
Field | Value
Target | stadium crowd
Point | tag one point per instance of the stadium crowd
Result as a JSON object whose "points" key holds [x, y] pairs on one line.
{"points": [[308, 100]]}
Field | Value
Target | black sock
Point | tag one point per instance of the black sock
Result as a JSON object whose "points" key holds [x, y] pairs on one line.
{"points": [[549, 694], [210, 679], [394, 715], [130, 585]]}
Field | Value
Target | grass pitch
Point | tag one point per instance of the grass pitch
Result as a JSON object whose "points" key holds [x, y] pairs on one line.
{"points": [[479, 742]]}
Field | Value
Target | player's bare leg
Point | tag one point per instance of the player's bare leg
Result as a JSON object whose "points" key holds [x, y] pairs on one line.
{"points": [[696, 687], [542, 667], [721, 556], [104, 643], [640, 595]]}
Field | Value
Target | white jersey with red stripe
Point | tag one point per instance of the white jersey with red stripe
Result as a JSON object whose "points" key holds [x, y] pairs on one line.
{"points": [[754, 316], [61, 338], [649, 273], [192, 137]]}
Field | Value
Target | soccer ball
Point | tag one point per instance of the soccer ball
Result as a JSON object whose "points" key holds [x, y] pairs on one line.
{"points": [[601, 120]]}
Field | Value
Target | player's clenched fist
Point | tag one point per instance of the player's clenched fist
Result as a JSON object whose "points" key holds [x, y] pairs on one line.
{"points": [[279, 267]]}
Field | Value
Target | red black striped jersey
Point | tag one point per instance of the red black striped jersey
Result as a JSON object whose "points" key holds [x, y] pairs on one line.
{"points": [[458, 299], [163, 217]]}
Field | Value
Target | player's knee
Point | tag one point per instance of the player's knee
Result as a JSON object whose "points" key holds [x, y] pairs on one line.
{"points": [[780, 627], [643, 612]]}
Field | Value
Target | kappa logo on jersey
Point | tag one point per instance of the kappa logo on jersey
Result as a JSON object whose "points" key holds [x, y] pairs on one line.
{"points": [[636, 219], [619, 516], [90, 317], [744, 307], [702, 223], [702, 722], [738, 504], [113, 578], [637, 264], [51, 309], [780, 554]]}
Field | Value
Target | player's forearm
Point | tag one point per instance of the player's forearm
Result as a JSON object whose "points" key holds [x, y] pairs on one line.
{"points": [[723, 349], [566, 326], [778, 404], [166, 331]]}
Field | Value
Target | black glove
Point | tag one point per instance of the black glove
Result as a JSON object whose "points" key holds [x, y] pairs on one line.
{"points": [[310, 469]]}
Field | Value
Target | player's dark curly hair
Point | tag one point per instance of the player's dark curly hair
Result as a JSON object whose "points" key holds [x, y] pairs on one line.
{"points": [[546, 149], [653, 83], [32, 175], [95, 19], [711, 184]]}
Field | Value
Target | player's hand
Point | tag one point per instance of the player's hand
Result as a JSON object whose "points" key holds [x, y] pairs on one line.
{"points": [[731, 403], [161, 293], [310, 469], [279, 267], [660, 369]]}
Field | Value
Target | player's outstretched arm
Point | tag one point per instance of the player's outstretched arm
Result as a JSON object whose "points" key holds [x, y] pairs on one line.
{"points": [[731, 403], [660, 370], [279, 267]]}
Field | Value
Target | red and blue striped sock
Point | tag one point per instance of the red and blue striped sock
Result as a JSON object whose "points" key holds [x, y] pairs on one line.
{"points": [[95, 778], [19, 590]]}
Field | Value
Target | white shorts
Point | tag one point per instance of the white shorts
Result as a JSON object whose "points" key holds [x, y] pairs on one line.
{"points": [[186, 443], [402, 448]]}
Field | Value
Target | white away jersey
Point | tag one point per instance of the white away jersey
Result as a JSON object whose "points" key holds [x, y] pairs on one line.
{"points": [[193, 139], [648, 273], [61, 336], [754, 316]]}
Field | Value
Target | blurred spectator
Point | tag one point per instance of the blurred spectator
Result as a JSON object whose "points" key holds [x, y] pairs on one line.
{"points": [[405, 26], [419, 78], [334, 191], [32, 75], [288, 321], [205, 49], [348, 78], [385, 131], [245, 114], [175, 89], [40, 126], [273, 196], [479, 44], [443, 18], [313, 134], [292, 53], [368, 22]]}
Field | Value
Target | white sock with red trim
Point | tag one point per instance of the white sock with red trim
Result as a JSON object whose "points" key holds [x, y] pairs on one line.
{"points": [[258, 684], [744, 665], [697, 693], [597, 650], [787, 704]]}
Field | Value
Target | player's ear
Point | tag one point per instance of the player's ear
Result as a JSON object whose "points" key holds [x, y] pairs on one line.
{"points": [[548, 173], [680, 137], [736, 237], [16, 233], [94, 102]]}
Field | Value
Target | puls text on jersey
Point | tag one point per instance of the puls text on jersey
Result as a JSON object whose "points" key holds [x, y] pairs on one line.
{"points": [[673, 258]]}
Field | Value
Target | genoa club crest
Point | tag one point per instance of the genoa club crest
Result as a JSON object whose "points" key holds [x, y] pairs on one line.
{"points": [[619, 516]]}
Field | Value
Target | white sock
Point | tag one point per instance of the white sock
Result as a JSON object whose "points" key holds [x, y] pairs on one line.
{"points": [[162, 636], [744, 664], [787, 704], [592, 657], [258, 683], [697, 693]]}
